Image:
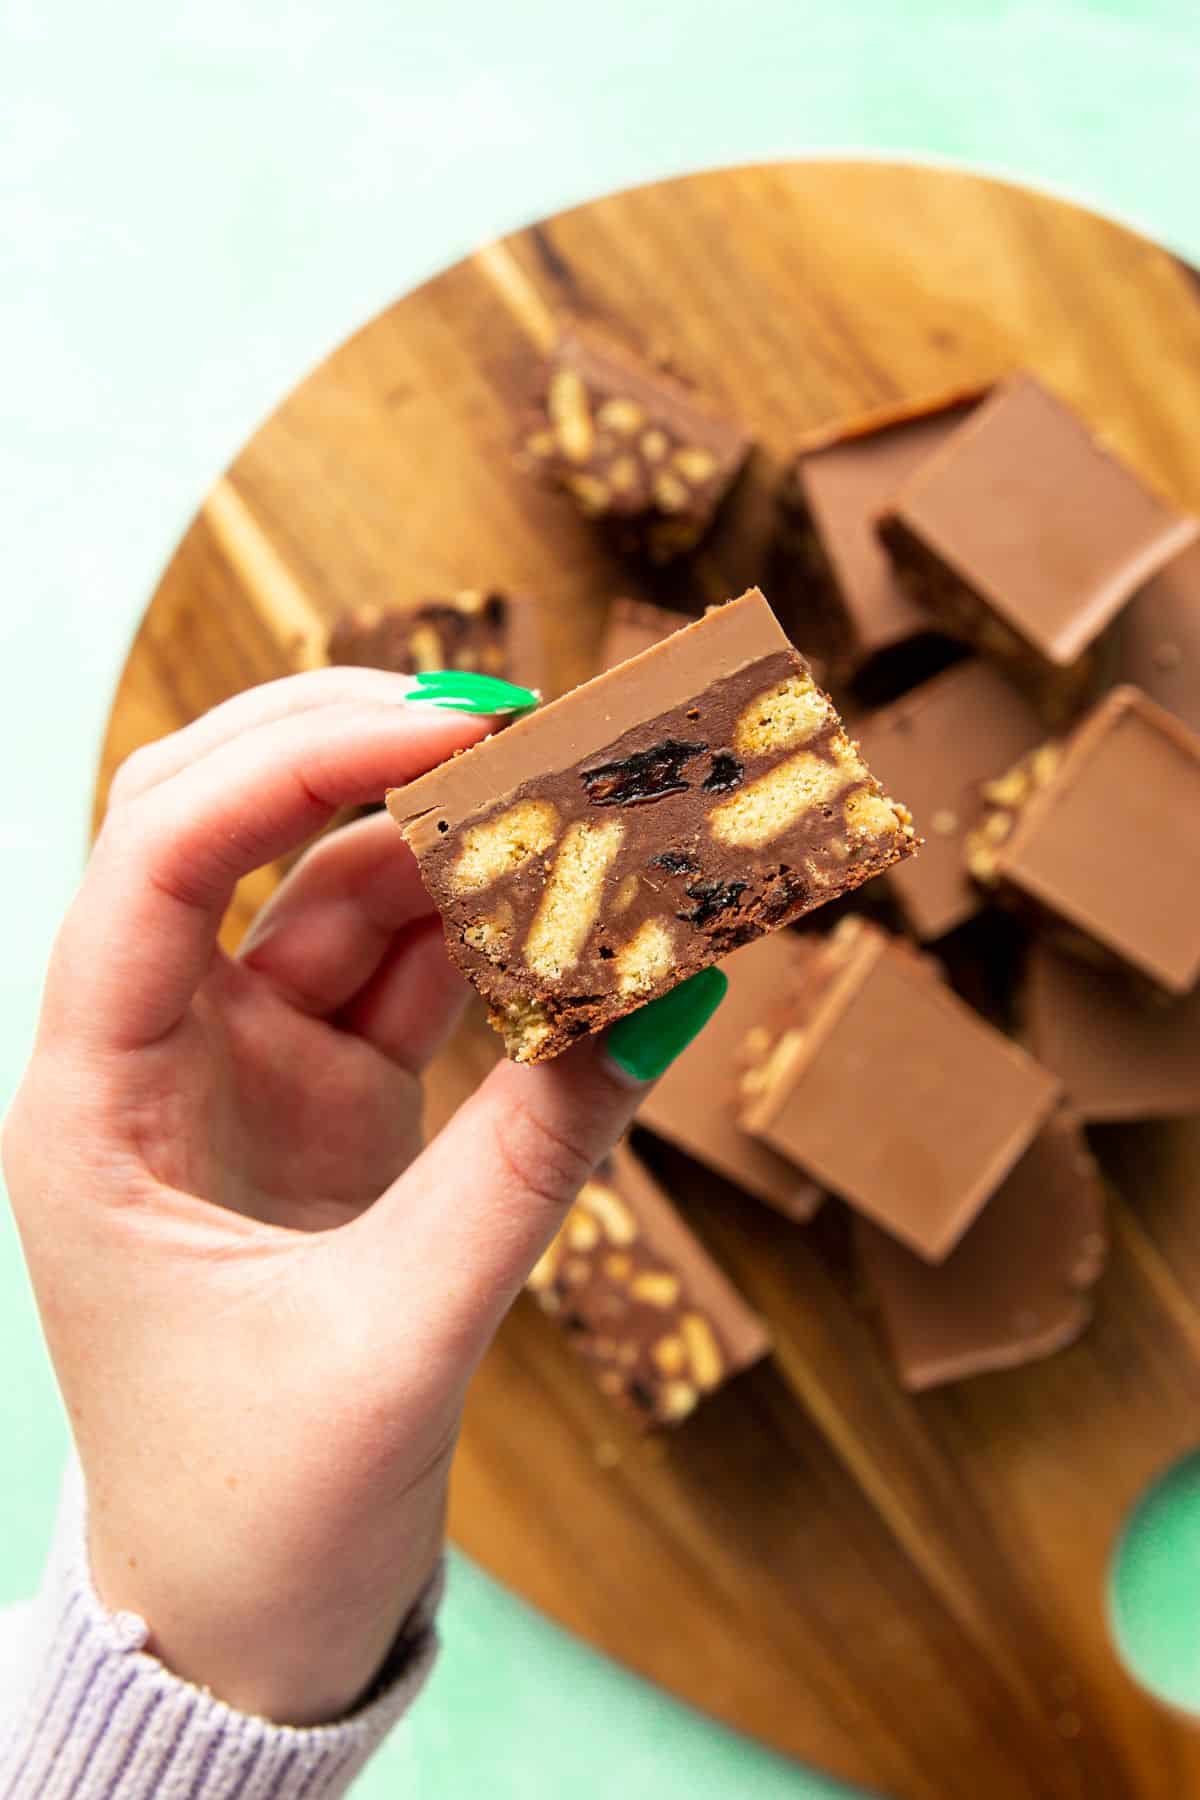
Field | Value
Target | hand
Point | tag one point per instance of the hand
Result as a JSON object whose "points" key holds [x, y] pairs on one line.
{"points": [[263, 1300]]}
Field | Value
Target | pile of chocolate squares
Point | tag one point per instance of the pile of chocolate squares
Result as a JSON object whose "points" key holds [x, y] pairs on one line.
{"points": [[1029, 613]]}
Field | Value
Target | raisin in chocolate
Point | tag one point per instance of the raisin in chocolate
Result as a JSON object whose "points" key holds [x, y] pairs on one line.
{"points": [[712, 898], [726, 772], [645, 776]]}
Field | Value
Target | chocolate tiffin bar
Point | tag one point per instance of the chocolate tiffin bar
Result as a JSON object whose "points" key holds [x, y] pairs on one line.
{"points": [[642, 827], [641, 1300]]}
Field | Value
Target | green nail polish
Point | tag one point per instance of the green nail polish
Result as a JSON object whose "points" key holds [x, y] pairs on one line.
{"points": [[462, 690], [646, 1042]]}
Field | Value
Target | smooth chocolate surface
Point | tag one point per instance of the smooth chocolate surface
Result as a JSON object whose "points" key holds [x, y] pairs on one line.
{"points": [[634, 626], [644, 826], [695, 1104], [1157, 636], [937, 746], [1108, 840], [830, 498], [888, 1089], [1120, 1051], [493, 633], [1025, 532], [657, 1322], [1015, 1288], [637, 448]]}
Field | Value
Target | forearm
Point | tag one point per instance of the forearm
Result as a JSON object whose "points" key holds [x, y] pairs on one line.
{"points": [[98, 1715]]}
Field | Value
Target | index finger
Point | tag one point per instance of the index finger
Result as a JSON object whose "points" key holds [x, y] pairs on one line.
{"points": [[142, 931]]}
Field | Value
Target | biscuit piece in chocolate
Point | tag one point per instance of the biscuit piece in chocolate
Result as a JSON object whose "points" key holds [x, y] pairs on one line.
{"points": [[495, 634], [1120, 1050], [1157, 637], [829, 501], [1015, 1288], [635, 447], [642, 827], [633, 626], [1027, 537], [695, 1104], [641, 1300], [1101, 835], [888, 1089], [937, 746]]}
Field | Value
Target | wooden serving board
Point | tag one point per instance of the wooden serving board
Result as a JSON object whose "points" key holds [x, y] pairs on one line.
{"points": [[907, 1592]]}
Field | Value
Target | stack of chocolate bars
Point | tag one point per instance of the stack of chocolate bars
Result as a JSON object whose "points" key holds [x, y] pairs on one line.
{"points": [[1027, 610]]}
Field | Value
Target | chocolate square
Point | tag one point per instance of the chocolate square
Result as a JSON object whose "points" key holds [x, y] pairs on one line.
{"points": [[638, 449], [830, 498], [695, 1104], [601, 849], [883, 1085], [1120, 1051], [491, 633], [937, 746], [1103, 836], [1027, 536], [1158, 639], [640, 1299], [1015, 1288]]}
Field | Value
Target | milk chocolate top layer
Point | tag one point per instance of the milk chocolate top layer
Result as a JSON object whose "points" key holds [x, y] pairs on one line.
{"points": [[1120, 1052], [936, 746], [641, 1299], [893, 1093], [1027, 509], [1111, 842], [840, 488], [1015, 1288], [590, 718], [694, 1105], [634, 626], [1158, 639]]}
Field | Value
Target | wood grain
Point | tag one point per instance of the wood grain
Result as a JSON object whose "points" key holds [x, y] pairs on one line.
{"points": [[905, 1591]]}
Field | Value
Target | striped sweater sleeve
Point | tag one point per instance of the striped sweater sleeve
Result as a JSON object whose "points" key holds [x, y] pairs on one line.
{"points": [[94, 1717]]}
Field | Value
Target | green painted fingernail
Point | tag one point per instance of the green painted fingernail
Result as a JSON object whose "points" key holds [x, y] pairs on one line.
{"points": [[646, 1042], [461, 690]]}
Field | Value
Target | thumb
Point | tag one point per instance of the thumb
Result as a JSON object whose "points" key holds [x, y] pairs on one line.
{"points": [[469, 1218]]}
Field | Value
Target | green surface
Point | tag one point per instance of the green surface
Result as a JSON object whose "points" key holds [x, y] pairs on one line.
{"points": [[197, 201], [1155, 1592]]}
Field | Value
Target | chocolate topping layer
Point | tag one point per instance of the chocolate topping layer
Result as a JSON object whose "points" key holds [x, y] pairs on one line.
{"points": [[1016, 1286], [641, 1299], [882, 1084]]}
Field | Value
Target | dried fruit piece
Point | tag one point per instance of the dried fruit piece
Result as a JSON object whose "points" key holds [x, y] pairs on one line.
{"points": [[646, 775]]}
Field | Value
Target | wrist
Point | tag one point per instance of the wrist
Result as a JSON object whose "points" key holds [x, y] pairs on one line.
{"points": [[305, 1646]]}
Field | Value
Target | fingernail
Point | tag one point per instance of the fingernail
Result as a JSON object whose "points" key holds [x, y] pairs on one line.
{"points": [[643, 1044], [461, 690]]}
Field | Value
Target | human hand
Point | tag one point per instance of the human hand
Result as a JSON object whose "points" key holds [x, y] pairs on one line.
{"points": [[263, 1300]]}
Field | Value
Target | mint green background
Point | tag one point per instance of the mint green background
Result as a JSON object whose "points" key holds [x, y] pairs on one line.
{"points": [[198, 199]]}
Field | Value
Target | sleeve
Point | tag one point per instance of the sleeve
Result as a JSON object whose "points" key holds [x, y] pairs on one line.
{"points": [[95, 1715]]}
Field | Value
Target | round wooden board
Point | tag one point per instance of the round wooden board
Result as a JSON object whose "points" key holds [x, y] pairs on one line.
{"points": [[907, 1592]]}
